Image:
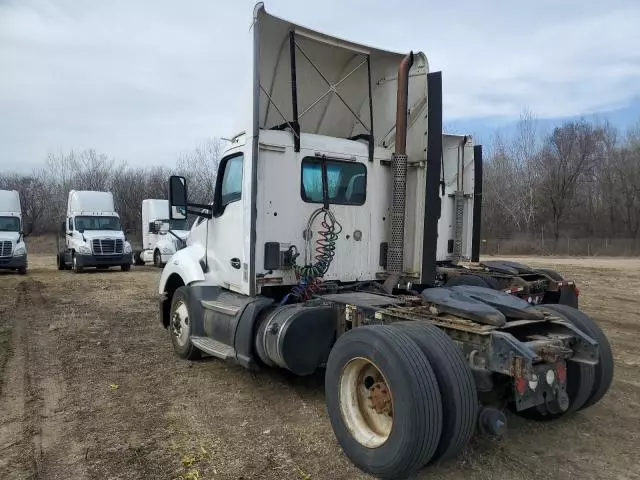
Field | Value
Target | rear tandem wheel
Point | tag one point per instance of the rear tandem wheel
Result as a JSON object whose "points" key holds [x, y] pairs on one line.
{"points": [[383, 401]]}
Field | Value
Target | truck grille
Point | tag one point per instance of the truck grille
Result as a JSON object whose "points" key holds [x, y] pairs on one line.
{"points": [[104, 246], [6, 249]]}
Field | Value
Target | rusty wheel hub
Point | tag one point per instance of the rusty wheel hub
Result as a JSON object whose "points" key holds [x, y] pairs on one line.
{"points": [[380, 398]]}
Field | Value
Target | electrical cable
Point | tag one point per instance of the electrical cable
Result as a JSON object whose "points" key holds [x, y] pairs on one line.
{"points": [[310, 274]]}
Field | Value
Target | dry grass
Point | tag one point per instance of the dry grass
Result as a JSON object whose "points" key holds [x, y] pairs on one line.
{"points": [[93, 390]]}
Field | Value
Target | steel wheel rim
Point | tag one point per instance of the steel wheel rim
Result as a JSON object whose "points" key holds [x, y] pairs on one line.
{"points": [[180, 324], [366, 403]]}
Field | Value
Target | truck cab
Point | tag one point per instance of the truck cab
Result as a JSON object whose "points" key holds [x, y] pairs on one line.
{"points": [[13, 250], [91, 234], [161, 237]]}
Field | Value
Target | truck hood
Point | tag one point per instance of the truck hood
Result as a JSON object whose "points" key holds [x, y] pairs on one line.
{"points": [[181, 233], [9, 236], [91, 234]]}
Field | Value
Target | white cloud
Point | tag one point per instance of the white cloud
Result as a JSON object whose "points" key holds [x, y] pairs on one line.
{"points": [[145, 80]]}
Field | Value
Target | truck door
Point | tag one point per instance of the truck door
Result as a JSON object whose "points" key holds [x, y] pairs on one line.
{"points": [[226, 235]]}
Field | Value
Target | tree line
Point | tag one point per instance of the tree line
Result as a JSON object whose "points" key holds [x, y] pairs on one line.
{"points": [[581, 180], [44, 192]]}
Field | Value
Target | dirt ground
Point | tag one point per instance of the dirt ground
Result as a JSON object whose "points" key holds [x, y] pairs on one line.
{"points": [[90, 388]]}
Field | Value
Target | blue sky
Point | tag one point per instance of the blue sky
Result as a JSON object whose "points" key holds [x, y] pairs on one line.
{"points": [[143, 81]]}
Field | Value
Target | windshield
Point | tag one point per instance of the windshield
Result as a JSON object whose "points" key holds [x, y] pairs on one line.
{"points": [[9, 224], [97, 223]]}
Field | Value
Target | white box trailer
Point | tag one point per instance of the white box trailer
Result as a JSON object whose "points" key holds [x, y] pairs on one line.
{"points": [[161, 237], [13, 250], [91, 235]]}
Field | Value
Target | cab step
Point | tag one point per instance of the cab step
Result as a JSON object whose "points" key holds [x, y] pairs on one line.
{"points": [[213, 347]]}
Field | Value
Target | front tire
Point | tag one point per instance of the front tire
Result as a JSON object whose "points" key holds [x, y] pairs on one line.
{"points": [[22, 270], [137, 258], [74, 264], [157, 259], [383, 401], [180, 326], [125, 267]]}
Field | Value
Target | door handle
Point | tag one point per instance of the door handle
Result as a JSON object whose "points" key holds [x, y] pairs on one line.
{"points": [[235, 263]]}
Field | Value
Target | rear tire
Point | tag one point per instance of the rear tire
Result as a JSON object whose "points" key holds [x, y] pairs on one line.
{"points": [[604, 368], [457, 387], [567, 296], [180, 326], [60, 260], [580, 380], [360, 362]]}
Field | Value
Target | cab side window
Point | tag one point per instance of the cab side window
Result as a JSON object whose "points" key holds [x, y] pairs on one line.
{"points": [[231, 187], [70, 224]]}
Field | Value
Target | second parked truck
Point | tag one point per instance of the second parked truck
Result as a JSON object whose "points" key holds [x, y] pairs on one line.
{"points": [[91, 235]]}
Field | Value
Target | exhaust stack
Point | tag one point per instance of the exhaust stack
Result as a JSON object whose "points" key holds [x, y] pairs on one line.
{"points": [[395, 258]]}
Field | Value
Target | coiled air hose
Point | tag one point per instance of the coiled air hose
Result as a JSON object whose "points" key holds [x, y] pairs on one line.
{"points": [[310, 274]]}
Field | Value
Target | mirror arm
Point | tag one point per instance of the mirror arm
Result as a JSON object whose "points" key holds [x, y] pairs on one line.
{"points": [[208, 215], [199, 205]]}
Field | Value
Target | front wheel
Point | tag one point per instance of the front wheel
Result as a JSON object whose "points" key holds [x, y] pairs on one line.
{"points": [[125, 267], [383, 401], [22, 270], [74, 263], [180, 326], [157, 259], [137, 258]]}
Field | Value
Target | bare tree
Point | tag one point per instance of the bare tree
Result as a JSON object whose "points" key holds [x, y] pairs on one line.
{"points": [[200, 167], [569, 152]]}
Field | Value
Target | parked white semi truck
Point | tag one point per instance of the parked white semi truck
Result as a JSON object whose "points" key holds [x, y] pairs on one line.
{"points": [[91, 235], [13, 251], [320, 251], [161, 237]]}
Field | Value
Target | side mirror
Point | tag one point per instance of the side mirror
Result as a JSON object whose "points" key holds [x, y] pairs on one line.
{"points": [[177, 198], [69, 233], [81, 230]]}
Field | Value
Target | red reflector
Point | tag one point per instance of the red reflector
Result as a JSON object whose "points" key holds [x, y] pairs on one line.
{"points": [[561, 372], [521, 385]]}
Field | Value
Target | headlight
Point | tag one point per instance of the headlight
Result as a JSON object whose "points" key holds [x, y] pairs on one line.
{"points": [[127, 247], [84, 249], [20, 251]]}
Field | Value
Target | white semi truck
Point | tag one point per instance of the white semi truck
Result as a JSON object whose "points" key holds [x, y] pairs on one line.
{"points": [[13, 250], [161, 237], [91, 235], [320, 251]]}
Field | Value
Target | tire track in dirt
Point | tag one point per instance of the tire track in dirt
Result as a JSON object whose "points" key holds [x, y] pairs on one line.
{"points": [[16, 448], [43, 386]]}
